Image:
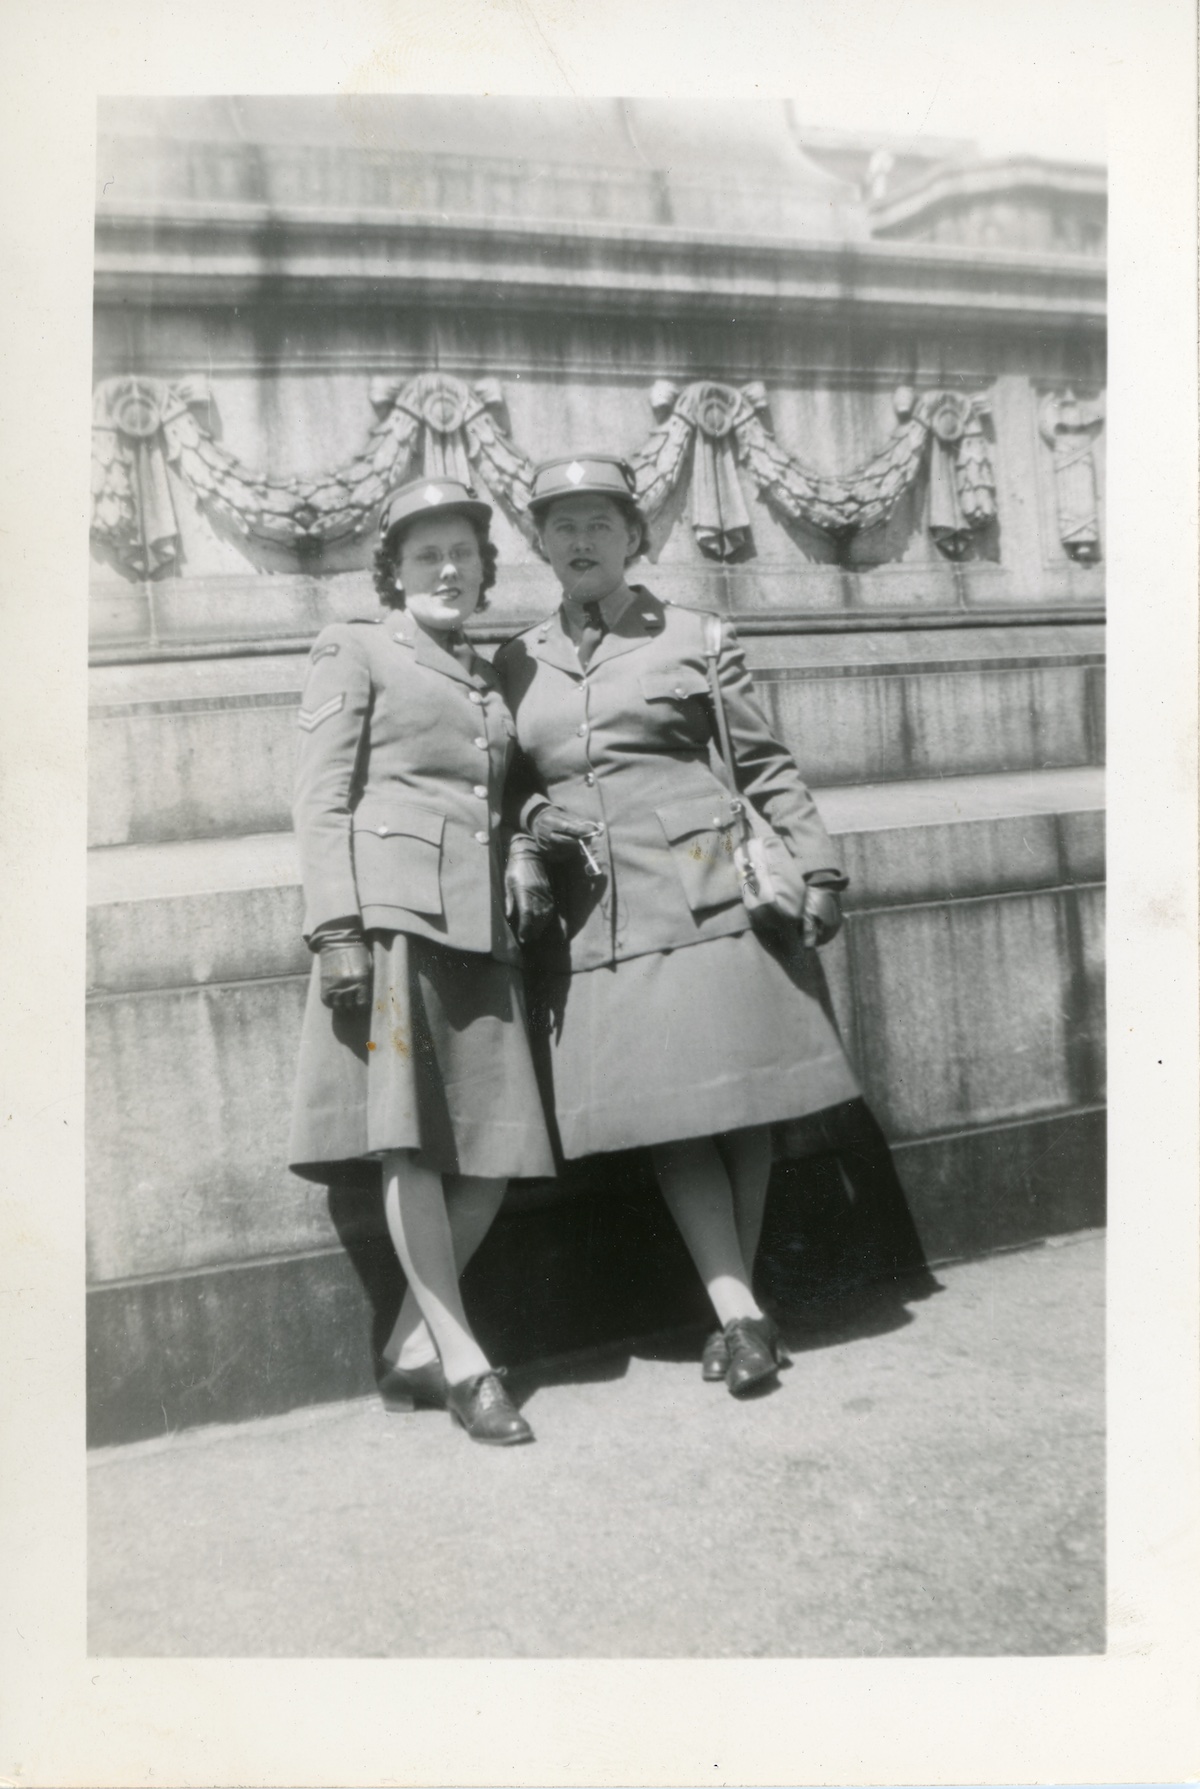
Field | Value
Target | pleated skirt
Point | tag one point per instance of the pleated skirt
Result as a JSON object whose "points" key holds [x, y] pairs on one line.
{"points": [[688, 1043], [439, 1063]]}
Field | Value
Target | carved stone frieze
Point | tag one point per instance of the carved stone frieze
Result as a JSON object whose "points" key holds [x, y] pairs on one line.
{"points": [[434, 424], [1069, 429], [706, 417], [727, 426], [132, 509]]}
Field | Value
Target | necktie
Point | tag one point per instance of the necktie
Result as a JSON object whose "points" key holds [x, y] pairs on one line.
{"points": [[460, 647], [594, 631]]}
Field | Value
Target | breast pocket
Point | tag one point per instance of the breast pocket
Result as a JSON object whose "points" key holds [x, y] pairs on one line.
{"points": [[398, 854], [673, 687], [701, 832]]}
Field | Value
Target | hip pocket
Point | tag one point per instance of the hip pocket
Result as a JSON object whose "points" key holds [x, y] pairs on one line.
{"points": [[398, 855], [699, 832]]}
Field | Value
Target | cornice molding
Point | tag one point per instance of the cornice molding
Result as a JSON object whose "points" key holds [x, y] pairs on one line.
{"points": [[243, 254], [981, 179]]}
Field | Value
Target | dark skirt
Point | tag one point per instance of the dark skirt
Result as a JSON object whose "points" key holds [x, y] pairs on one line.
{"points": [[688, 1043], [440, 1063]]}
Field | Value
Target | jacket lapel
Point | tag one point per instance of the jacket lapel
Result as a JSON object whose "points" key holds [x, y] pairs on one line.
{"points": [[554, 646], [428, 652], [638, 624]]}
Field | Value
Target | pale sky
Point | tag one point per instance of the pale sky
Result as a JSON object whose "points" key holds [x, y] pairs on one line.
{"points": [[1013, 75]]}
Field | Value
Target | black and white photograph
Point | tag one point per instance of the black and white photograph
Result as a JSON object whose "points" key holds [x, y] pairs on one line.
{"points": [[595, 1134], [507, 512]]}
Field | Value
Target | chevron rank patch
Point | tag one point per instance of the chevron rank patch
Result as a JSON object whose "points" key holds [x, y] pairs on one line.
{"points": [[329, 650], [312, 717]]}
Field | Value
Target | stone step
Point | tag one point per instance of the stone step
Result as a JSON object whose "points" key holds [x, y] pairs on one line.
{"points": [[274, 1333], [227, 614], [204, 748], [967, 982], [196, 911]]}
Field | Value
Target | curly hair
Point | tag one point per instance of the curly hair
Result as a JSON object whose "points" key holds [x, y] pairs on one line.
{"points": [[630, 512], [387, 558]]}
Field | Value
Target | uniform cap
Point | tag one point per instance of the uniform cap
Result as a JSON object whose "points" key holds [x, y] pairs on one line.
{"points": [[583, 475], [432, 496]]}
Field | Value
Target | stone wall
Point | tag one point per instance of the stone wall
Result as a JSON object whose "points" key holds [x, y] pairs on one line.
{"points": [[937, 670]]}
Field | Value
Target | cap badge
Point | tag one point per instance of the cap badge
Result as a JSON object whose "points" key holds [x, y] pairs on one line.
{"points": [[575, 473], [431, 494]]}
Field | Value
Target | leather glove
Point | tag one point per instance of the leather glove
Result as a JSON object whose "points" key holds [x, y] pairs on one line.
{"points": [[820, 916], [528, 900], [345, 973], [558, 832]]}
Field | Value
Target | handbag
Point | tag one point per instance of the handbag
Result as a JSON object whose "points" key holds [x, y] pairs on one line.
{"points": [[772, 885]]}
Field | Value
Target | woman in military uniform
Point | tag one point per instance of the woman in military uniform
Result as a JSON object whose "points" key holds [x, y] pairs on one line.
{"points": [[415, 1050], [672, 1022]]}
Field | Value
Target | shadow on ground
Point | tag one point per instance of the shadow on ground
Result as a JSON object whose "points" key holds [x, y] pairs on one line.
{"points": [[594, 1259], [927, 1480]]}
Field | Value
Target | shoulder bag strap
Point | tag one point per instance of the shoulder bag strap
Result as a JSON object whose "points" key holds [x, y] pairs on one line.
{"points": [[712, 652]]}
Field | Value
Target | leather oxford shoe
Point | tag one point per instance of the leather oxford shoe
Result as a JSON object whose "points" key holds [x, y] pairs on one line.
{"points": [[714, 1362], [756, 1354], [485, 1410], [403, 1388]]}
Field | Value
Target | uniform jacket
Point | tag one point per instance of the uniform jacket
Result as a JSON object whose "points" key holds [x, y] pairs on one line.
{"points": [[402, 761], [627, 743]]}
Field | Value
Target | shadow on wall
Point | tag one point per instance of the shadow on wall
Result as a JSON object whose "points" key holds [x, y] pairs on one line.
{"points": [[596, 1259]]}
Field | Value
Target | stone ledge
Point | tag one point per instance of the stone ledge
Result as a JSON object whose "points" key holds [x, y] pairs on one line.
{"points": [[130, 621], [241, 254], [245, 1340], [213, 910], [205, 749], [178, 685], [960, 1013]]}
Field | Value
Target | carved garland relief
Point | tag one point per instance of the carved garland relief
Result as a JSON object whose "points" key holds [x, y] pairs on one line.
{"points": [[728, 425], [140, 426], [1069, 430], [436, 424]]}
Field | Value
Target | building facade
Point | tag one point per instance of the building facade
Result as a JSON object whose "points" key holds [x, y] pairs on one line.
{"points": [[864, 393]]}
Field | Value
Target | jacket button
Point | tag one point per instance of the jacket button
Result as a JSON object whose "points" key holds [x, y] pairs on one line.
{"points": [[481, 838], [475, 695], [583, 730], [382, 831], [481, 791], [589, 779], [481, 742], [679, 689]]}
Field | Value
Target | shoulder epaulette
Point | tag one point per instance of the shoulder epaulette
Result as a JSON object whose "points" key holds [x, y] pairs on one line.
{"points": [[534, 627], [685, 608]]}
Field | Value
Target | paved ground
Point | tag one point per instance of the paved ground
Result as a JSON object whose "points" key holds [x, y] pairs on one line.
{"points": [[920, 1487]]}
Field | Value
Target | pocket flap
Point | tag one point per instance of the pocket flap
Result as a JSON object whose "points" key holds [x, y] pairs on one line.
{"points": [[698, 813], [386, 815], [673, 686]]}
